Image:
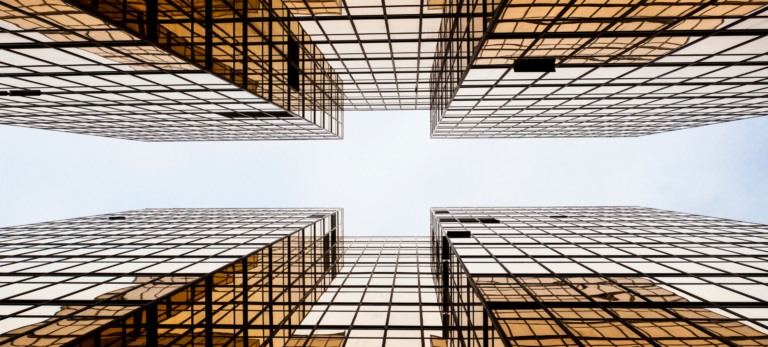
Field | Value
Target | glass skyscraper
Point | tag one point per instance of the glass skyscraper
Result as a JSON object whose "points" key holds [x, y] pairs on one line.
{"points": [[485, 277], [167, 277], [165, 71], [600, 276], [215, 70], [219, 70], [533, 68]]}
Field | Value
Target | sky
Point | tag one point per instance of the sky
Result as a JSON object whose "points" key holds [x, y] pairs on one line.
{"points": [[386, 173]]}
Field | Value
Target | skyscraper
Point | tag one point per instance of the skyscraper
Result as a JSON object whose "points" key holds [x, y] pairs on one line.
{"points": [[166, 277], [165, 71], [601, 276], [597, 69], [169, 70], [384, 295], [485, 277]]}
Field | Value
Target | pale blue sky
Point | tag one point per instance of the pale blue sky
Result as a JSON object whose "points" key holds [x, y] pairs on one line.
{"points": [[386, 173]]}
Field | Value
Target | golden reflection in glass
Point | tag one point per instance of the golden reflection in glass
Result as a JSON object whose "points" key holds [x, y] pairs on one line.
{"points": [[316, 340], [668, 330], [502, 289], [521, 329], [615, 326], [211, 300], [551, 289], [242, 305], [139, 57], [272, 58], [600, 329], [316, 7], [583, 50], [643, 313], [579, 313], [437, 341], [588, 17], [74, 325], [457, 46], [55, 11], [435, 4], [80, 23]]}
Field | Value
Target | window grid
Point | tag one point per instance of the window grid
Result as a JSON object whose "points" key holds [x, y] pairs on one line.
{"points": [[102, 78], [124, 299], [622, 69], [538, 280]]}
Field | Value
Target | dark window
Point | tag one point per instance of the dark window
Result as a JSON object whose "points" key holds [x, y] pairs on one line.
{"points": [[459, 234], [534, 65]]}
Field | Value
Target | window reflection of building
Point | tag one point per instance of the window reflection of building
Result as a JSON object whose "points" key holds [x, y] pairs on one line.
{"points": [[408, 292], [571, 310], [275, 67], [153, 288], [478, 92], [384, 296], [264, 59], [180, 309], [77, 321], [587, 18], [316, 340], [242, 302], [317, 7], [605, 325]]}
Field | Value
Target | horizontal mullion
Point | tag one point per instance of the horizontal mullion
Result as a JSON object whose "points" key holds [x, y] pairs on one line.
{"points": [[604, 34]]}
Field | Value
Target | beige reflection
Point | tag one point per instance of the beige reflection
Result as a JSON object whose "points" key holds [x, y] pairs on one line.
{"points": [[317, 7], [73, 326], [316, 340], [598, 327], [81, 323], [588, 17], [150, 291], [138, 57], [62, 15], [438, 341], [266, 68]]}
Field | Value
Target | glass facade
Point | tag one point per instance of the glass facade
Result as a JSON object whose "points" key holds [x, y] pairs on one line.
{"points": [[623, 68], [166, 277], [172, 70], [165, 70], [485, 277], [601, 276], [466, 25], [382, 50], [384, 295]]}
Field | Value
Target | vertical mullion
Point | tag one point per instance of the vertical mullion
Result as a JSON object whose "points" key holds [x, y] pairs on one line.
{"points": [[209, 35], [244, 23], [271, 52], [152, 24], [245, 298], [485, 328], [209, 310], [151, 325], [270, 301]]}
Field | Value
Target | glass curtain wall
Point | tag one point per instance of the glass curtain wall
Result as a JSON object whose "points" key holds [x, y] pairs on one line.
{"points": [[604, 69], [165, 71], [167, 277], [602, 276], [384, 296]]}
